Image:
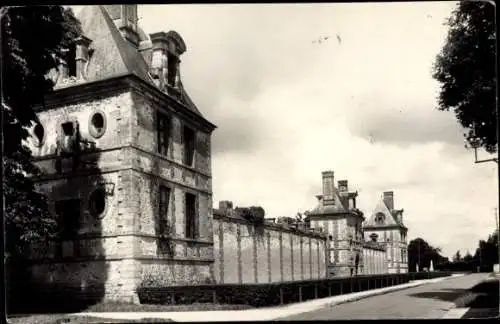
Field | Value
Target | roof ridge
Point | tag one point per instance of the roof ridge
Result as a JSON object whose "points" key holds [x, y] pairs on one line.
{"points": [[122, 45]]}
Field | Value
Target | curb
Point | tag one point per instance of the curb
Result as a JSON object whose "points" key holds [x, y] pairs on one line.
{"points": [[262, 314], [394, 289], [455, 313]]}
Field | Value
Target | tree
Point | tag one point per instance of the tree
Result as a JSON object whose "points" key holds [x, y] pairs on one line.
{"points": [[457, 257], [421, 252], [467, 257], [465, 68], [33, 39]]}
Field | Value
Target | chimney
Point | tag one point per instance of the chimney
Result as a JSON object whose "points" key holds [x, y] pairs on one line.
{"points": [[82, 56], [389, 199], [125, 18], [342, 185], [328, 187], [225, 205]]}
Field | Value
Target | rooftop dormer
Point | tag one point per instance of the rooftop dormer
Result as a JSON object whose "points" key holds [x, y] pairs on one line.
{"points": [[165, 59]]}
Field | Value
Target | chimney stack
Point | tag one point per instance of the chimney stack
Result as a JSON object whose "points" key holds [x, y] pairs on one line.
{"points": [[82, 56], [342, 185], [389, 199], [125, 19], [225, 205], [328, 187]]}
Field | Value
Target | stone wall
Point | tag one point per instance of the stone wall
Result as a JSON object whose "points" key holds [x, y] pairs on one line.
{"points": [[119, 250], [246, 253], [374, 257]]}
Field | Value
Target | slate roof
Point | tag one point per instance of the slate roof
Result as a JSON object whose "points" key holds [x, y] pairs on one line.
{"points": [[390, 216], [113, 55], [340, 206]]}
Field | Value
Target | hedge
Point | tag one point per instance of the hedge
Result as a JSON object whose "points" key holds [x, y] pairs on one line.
{"points": [[271, 294]]}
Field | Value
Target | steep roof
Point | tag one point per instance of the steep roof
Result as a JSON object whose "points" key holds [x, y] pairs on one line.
{"points": [[113, 55], [337, 208], [390, 216]]}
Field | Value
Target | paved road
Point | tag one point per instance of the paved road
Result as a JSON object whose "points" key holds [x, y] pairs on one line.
{"points": [[427, 301]]}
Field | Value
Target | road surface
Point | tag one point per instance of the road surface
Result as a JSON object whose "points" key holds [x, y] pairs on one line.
{"points": [[427, 301]]}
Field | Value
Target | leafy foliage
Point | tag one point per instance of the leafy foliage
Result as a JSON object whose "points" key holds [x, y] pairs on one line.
{"points": [[33, 41], [465, 67], [421, 252], [254, 214]]}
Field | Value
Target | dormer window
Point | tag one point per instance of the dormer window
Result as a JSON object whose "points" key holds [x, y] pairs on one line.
{"points": [[71, 60], [157, 59], [172, 69], [380, 218]]}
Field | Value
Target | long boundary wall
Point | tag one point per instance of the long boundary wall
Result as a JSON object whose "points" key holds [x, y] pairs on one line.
{"points": [[248, 253]]}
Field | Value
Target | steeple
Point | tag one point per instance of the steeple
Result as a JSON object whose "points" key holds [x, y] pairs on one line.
{"points": [[125, 18]]}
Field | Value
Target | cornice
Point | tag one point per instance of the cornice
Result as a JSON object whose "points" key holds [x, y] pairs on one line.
{"points": [[81, 92]]}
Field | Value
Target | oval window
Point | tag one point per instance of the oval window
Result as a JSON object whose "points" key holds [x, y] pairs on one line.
{"points": [[97, 203], [39, 132], [97, 124]]}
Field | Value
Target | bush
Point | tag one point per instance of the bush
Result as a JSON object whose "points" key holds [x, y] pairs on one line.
{"points": [[270, 294]]}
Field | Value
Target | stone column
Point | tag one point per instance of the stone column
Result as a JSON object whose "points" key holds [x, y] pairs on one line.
{"points": [[269, 269], [291, 252], [319, 259], [82, 56], [281, 256], [221, 251], [310, 258], [254, 256], [238, 247], [302, 258]]}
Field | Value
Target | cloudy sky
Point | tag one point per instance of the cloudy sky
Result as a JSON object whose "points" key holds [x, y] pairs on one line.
{"points": [[363, 106]]}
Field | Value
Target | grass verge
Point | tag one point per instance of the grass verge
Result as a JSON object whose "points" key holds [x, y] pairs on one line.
{"points": [[483, 295]]}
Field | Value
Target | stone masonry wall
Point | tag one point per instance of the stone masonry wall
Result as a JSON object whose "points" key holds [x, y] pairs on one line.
{"points": [[245, 253]]}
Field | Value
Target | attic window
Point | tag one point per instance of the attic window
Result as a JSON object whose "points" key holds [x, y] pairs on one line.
{"points": [[379, 218], [172, 69], [156, 61]]}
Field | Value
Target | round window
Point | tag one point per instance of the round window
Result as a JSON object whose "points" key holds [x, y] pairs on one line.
{"points": [[39, 133], [97, 124], [97, 203]]}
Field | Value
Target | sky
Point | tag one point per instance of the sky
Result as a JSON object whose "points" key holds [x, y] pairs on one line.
{"points": [[362, 105]]}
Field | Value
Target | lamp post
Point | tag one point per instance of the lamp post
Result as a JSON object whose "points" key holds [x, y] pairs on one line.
{"points": [[474, 142]]}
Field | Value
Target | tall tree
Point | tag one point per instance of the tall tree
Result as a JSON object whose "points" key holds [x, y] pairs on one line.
{"points": [[457, 257], [465, 68], [33, 39], [421, 252]]}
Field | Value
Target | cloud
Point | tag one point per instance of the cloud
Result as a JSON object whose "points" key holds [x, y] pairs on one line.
{"points": [[287, 109]]}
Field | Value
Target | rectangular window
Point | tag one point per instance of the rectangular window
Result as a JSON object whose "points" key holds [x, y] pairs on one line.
{"points": [[68, 212], [172, 69], [189, 138], [157, 59], [72, 61], [68, 129], [191, 217], [163, 132], [164, 203]]}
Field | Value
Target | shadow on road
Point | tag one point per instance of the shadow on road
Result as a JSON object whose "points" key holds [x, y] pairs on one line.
{"points": [[448, 295]]}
